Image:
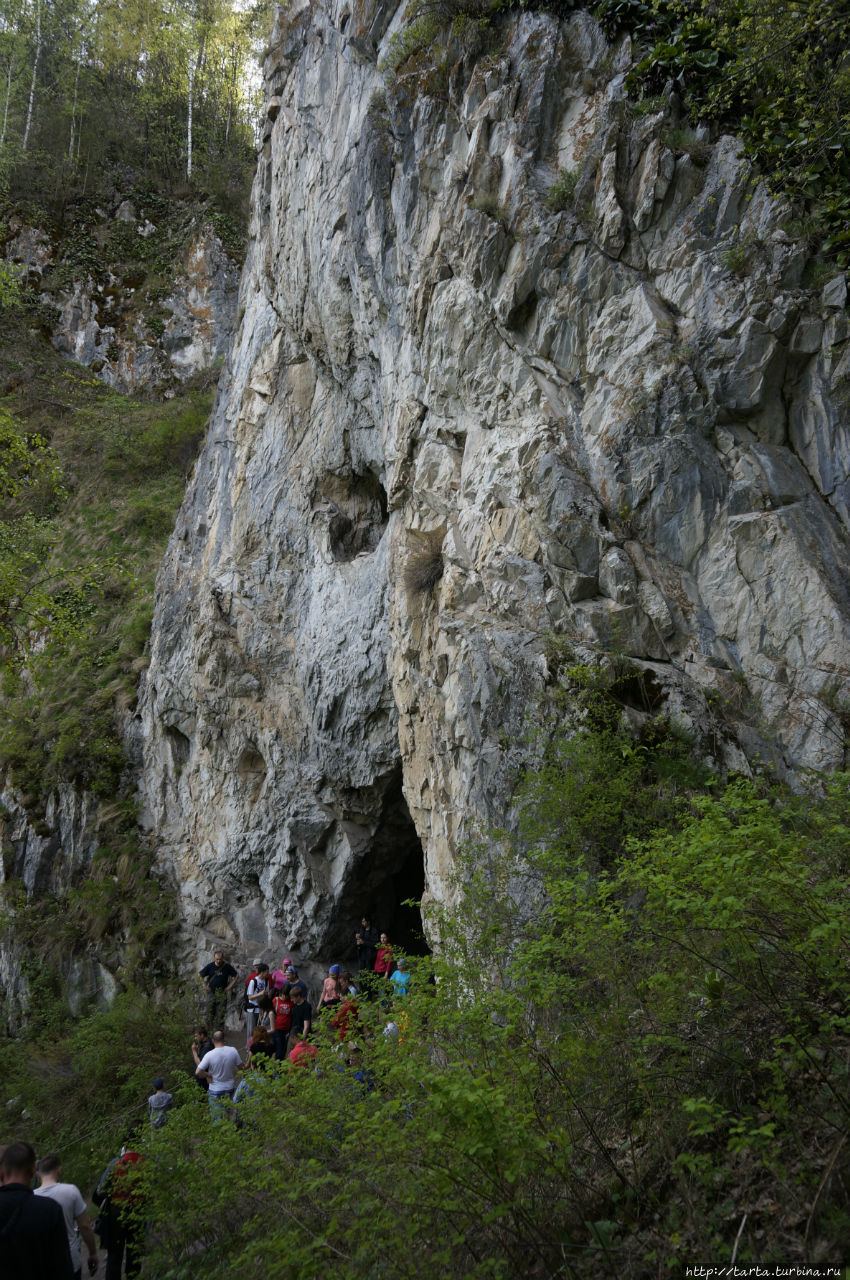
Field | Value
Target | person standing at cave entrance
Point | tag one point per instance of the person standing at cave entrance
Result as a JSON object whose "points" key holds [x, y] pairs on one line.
{"points": [[257, 986], [278, 977], [401, 979], [366, 940], [347, 987], [296, 983], [331, 989], [302, 1017], [384, 957], [219, 978]]}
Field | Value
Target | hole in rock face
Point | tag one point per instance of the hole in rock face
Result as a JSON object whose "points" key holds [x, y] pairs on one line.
{"points": [[357, 511], [251, 767], [391, 871], [522, 314], [180, 746]]}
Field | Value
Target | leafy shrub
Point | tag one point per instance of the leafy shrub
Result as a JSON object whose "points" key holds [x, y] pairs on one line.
{"points": [[624, 1051], [770, 74], [687, 142], [79, 1088], [562, 192]]}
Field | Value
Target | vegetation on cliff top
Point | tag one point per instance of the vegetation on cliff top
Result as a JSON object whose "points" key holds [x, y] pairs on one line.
{"points": [[777, 75]]}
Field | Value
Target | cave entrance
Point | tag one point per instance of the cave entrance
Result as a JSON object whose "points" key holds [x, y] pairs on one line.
{"points": [[391, 871]]}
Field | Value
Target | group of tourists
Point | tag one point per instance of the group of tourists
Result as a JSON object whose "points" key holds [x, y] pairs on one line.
{"points": [[42, 1229], [280, 1018]]}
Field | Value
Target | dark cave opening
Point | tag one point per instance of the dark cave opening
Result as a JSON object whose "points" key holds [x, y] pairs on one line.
{"points": [[390, 872]]}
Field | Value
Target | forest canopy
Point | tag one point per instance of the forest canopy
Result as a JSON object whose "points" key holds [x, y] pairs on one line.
{"points": [[158, 91]]}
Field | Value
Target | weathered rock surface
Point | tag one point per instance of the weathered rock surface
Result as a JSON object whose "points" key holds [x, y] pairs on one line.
{"points": [[455, 421], [44, 859], [111, 326]]}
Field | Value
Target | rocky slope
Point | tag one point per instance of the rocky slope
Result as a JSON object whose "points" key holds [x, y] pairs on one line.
{"points": [[146, 305], [456, 422]]}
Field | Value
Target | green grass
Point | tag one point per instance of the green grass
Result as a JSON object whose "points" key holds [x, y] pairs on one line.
{"points": [[123, 466]]}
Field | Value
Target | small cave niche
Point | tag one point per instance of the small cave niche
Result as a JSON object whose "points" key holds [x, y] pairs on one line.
{"points": [[180, 747], [521, 315], [251, 768], [356, 510], [390, 872]]}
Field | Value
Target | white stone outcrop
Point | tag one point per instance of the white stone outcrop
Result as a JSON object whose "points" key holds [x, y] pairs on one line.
{"points": [[111, 327]]}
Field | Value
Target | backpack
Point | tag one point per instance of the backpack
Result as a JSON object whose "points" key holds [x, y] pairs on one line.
{"points": [[245, 1002], [252, 1000]]}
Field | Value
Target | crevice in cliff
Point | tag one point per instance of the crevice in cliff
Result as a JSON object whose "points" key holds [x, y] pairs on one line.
{"points": [[391, 872]]}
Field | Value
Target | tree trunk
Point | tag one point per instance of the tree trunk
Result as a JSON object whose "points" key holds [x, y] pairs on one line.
{"points": [[74, 113], [6, 106], [194, 71], [189, 115], [34, 74]]}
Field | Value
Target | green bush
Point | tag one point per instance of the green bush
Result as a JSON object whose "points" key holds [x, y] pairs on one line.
{"points": [[638, 1032], [79, 1088], [778, 78], [562, 191]]}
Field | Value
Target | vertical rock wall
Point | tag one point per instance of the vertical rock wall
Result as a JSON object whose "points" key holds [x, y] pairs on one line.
{"points": [[455, 421]]}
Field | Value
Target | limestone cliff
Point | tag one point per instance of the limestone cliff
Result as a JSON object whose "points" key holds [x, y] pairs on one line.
{"points": [[455, 421]]}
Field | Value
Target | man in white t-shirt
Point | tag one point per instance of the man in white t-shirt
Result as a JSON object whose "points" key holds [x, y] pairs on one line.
{"points": [[73, 1207], [219, 1067]]}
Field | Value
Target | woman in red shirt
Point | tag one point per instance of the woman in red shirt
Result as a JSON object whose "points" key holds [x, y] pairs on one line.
{"points": [[282, 1006], [384, 957]]}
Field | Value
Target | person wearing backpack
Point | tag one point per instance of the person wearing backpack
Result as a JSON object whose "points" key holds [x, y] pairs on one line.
{"points": [[120, 1225], [258, 985]]}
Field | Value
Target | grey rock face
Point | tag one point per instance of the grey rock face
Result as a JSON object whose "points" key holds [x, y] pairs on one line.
{"points": [[103, 325], [455, 421], [44, 858]]}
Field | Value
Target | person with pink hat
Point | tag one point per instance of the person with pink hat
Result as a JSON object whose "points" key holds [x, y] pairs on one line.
{"points": [[278, 978]]}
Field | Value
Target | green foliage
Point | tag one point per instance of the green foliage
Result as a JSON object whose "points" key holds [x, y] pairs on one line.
{"points": [[686, 142], [562, 191], [636, 1031], [418, 34], [94, 94], [627, 1042], [778, 77], [10, 288], [77, 1088], [90, 513]]}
